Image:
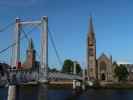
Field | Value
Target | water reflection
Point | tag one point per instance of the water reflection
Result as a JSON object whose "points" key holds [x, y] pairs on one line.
{"points": [[107, 94], [3, 93], [59, 94], [36, 92], [43, 92]]}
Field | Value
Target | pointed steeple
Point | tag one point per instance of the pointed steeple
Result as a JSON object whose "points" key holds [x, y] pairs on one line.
{"points": [[30, 55], [91, 52], [91, 29], [91, 25], [31, 45]]}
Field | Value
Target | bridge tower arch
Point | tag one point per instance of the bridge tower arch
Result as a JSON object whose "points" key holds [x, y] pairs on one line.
{"points": [[43, 23]]}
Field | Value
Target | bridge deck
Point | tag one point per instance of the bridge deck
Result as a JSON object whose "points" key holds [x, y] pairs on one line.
{"points": [[32, 77]]}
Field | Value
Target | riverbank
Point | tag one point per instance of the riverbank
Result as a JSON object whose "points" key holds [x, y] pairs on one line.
{"points": [[121, 85]]}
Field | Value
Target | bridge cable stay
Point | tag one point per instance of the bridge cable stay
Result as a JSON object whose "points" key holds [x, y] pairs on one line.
{"points": [[54, 46], [13, 44], [7, 26], [26, 36]]}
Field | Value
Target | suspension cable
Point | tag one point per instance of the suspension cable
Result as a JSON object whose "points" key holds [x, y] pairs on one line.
{"points": [[26, 36], [13, 44], [54, 46], [7, 26]]}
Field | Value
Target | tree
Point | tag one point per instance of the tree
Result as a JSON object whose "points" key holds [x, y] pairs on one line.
{"points": [[54, 70], [78, 68], [115, 63], [121, 73], [68, 66]]}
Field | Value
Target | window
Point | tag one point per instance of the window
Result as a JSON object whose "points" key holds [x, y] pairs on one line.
{"points": [[103, 66]]}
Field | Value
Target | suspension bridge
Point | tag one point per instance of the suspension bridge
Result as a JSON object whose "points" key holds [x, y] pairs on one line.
{"points": [[18, 76]]}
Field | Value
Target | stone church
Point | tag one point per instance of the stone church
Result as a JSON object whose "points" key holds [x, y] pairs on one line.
{"points": [[100, 68]]}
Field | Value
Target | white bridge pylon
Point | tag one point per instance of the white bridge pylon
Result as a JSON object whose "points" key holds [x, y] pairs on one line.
{"points": [[43, 70], [18, 76]]}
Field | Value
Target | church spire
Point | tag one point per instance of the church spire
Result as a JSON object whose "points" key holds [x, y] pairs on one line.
{"points": [[91, 52], [91, 25], [91, 29], [30, 55]]}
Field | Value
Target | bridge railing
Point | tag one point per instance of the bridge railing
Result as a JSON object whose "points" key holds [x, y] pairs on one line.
{"points": [[26, 76], [62, 76], [22, 76]]}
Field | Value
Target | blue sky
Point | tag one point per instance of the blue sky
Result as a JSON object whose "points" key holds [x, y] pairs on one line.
{"points": [[68, 21]]}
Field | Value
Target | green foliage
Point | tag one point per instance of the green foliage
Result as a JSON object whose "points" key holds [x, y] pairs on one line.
{"points": [[54, 70], [115, 63], [78, 68], [68, 66], [121, 72]]}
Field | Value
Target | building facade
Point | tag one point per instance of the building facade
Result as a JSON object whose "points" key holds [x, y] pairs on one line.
{"points": [[4, 74], [98, 69], [105, 68]]}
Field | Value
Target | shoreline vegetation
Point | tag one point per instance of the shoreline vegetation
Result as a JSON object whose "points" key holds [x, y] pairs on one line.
{"points": [[118, 85], [121, 85]]}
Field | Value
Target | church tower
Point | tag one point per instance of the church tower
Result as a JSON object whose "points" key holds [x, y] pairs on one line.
{"points": [[31, 55], [91, 52]]}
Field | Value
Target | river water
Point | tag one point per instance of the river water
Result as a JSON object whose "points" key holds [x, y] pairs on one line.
{"points": [[67, 94]]}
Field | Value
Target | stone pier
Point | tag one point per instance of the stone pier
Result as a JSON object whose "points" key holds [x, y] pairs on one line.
{"points": [[11, 92]]}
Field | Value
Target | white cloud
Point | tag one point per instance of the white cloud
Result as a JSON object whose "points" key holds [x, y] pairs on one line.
{"points": [[123, 62]]}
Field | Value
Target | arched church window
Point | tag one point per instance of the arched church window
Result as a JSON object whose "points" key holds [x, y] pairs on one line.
{"points": [[102, 65]]}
